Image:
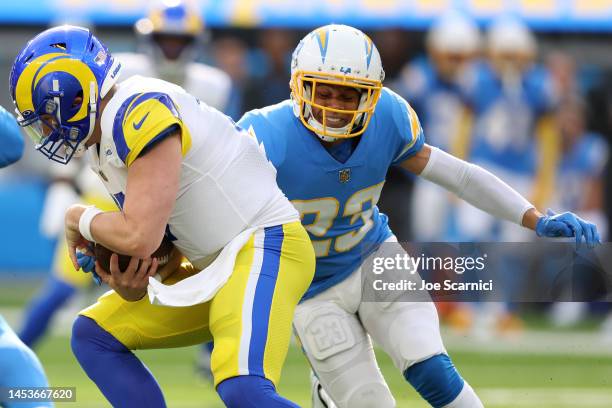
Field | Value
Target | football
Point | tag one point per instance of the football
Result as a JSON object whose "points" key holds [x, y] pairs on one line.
{"points": [[162, 254]]}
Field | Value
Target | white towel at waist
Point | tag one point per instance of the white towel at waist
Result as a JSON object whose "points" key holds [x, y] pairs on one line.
{"points": [[202, 286]]}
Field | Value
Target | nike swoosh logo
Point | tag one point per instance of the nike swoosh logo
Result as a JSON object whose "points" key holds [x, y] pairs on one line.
{"points": [[139, 124]]}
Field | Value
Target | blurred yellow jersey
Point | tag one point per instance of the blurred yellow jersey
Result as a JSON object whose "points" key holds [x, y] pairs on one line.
{"points": [[226, 185]]}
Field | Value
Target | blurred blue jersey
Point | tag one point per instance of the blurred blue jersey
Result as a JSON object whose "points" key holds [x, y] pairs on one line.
{"points": [[19, 368], [585, 160], [440, 104], [337, 201], [506, 114], [10, 139]]}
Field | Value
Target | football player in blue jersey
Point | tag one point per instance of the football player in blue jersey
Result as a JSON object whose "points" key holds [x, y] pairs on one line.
{"points": [[332, 150], [19, 366]]}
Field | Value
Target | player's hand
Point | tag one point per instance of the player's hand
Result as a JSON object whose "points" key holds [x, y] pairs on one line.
{"points": [[74, 238], [132, 283], [88, 265], [567, 225]]}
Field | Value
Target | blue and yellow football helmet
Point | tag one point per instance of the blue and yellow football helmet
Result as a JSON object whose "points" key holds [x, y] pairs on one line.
{"points": [[57, 82], [171, 35]]}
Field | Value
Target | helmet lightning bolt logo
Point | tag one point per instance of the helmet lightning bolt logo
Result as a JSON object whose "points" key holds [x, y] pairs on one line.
{"points": [[368, 49], [323, 39]]}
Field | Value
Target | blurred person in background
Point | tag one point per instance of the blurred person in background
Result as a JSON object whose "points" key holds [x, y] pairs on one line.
{"points": [[583, 157], [434, 87], [171, 38], [230, 55], [269, 64], [513, 136], [395, 46], [512, 98], [578, 182], [19, 366], [562, 69]]}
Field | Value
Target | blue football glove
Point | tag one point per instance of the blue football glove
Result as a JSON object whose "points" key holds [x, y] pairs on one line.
{"points": [[88, 264], [568, 225]]}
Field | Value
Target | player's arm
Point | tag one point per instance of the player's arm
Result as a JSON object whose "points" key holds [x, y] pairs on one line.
{"points": [[152, 186], [150, 139], [485, 191]]}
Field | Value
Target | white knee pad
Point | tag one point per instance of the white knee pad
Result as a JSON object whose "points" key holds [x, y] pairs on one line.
{"points": [[341, 354], [326, 330]]}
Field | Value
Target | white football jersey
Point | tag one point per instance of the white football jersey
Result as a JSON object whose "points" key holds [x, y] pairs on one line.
{"points": [[209, 84], [226, 183]]}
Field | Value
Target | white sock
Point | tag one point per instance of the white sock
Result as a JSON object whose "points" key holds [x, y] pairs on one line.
{"points": [[467, 398]]}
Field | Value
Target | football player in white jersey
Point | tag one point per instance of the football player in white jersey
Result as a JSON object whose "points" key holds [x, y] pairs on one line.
{"points": [[180, 169], [170, 36]]}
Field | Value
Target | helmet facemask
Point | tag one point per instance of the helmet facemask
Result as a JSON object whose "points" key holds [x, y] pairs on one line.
{"points": [[304, 86], [55, 139]]}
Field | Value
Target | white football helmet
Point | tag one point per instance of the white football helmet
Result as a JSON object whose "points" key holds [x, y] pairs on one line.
{"points": [[511, 36], [454, 33], [336, 55]]}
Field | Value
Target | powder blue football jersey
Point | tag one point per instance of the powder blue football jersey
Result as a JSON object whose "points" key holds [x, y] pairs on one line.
{"points": [[439, 103], [19, 369], [506, 117], [337, 201]]}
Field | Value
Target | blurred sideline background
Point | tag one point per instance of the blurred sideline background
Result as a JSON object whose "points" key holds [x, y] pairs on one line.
{"points": [[523, 88]]}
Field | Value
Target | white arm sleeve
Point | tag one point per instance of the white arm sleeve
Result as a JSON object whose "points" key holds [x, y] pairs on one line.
{"points": [[476, 186]]}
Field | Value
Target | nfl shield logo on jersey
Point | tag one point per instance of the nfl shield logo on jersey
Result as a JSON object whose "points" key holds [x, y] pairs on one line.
{"points": [[344, 175]]}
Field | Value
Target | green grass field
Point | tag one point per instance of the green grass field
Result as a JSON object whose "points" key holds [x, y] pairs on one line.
{"points": [[542, 368], [503, 379]]}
